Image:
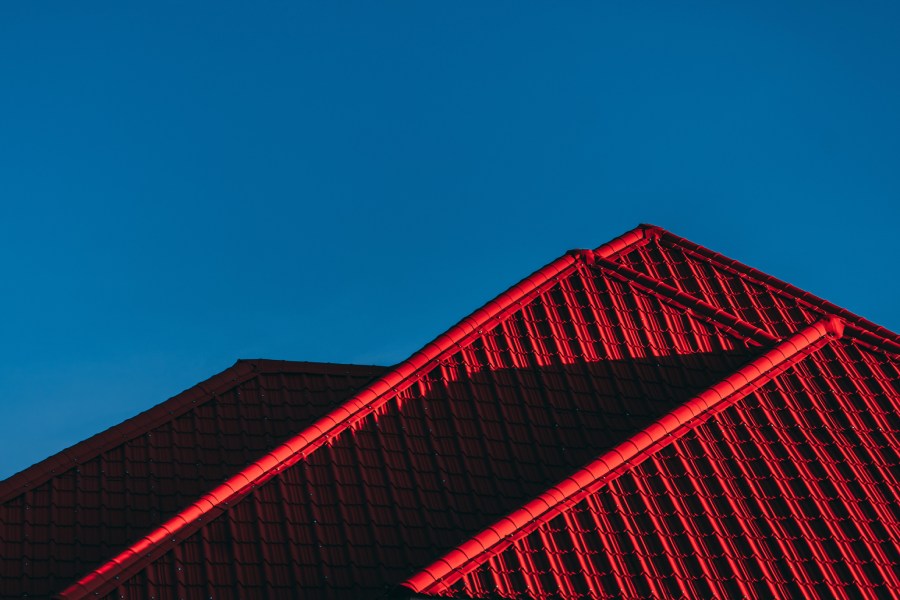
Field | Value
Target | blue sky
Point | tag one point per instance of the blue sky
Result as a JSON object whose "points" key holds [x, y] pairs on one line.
{"points": [[183, 186]]}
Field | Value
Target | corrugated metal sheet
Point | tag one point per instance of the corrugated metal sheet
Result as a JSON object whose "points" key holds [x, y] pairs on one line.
{"points": [[649, 418]]}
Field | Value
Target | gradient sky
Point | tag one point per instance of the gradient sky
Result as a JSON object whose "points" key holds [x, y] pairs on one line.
{"points": [[186, 184]]}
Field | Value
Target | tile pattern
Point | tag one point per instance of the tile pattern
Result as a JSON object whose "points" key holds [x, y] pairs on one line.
{"points": [[513, 411], [61, 527], [792, 492], [791, 489], [764, 306]]}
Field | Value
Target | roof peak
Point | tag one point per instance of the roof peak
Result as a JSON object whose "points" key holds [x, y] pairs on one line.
{"points": [[370, 399], [868, 331], [361, 405]]}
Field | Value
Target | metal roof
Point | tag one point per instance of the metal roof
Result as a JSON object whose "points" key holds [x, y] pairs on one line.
{"points": [[648, 418]]}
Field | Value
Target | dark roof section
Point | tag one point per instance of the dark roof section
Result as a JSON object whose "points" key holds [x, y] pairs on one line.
{"points": [[164, 412], [788, 490], [494, 539], [69, 512], [129, 429]]}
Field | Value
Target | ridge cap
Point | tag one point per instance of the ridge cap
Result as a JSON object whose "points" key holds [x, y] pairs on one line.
{"points": [[702, 309], [866, 329]]}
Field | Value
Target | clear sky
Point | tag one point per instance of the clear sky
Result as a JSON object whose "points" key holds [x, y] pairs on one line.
{"points": [[186, 184]]}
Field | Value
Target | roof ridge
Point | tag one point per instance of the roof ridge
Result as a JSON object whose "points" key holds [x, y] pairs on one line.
{"points": [[197, 395], [128, 429], [274, 365], [867, 330], [725, 320], [350, 412], [498, 536]]}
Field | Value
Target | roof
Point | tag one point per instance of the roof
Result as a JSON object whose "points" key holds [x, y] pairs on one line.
{"points": [[644, 419], [68, 513], [776, 488]]}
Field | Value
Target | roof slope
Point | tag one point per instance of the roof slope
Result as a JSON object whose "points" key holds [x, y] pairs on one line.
{"points": [[808, 513], [788, 490], [514, 432], [487, 416], [68, 513]]}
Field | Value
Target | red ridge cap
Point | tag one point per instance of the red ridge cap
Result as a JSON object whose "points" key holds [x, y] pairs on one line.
{"points": [[868, 331], [637, 236], [497, 537], [364, 403]]}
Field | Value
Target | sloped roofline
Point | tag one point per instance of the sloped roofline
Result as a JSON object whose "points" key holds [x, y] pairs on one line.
{"points": [[724, 320], [496, 538], [865, 331], [355, 409], [142, 423], [374, 396]]}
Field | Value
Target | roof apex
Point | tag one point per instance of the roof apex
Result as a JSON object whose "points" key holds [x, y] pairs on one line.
{"points": [[376, 394]]}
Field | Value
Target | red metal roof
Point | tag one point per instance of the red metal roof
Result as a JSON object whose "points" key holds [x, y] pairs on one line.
{"points": [[645, 419]]}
